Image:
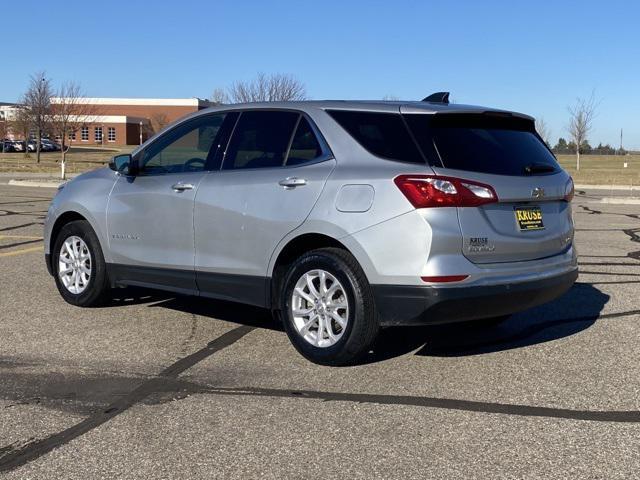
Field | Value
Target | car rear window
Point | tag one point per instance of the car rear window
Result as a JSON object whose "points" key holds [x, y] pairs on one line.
{"points": [[382, 134], [485, 143]]}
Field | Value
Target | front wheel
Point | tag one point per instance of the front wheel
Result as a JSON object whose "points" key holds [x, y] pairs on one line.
{"points": [[78, 265], [328, 307]]}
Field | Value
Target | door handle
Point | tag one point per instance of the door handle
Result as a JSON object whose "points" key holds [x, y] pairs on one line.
{"points": [[181, 187], [292, 182]]}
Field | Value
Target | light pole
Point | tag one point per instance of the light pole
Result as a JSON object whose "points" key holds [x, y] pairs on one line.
{"points": [[140, 132]]}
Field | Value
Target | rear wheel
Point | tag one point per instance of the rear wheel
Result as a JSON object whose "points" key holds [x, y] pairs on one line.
{"points": [[79, 266], [328, 308]]}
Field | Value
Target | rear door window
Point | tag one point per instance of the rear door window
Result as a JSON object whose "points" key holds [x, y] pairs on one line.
{"points": [[383, 134], [260, 139], [500, 145]]}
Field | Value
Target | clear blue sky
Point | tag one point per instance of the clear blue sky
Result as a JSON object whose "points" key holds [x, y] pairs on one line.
{"points": [[535, 57]]}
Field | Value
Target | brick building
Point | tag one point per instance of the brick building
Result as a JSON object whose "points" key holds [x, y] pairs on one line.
{"points": [[120, 121], [129, 121]]}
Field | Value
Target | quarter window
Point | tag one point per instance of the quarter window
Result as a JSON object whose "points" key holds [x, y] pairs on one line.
{"points": [[383, 134], [97, 134], [304, 146], [84, 134], [186, 148], [111, 134], [260, 140]]}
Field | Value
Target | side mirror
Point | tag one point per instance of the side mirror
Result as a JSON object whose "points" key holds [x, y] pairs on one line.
{"points": [[123, 164]]}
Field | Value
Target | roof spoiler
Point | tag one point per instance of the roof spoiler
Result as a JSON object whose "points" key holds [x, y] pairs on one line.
{"points": [[438, 97]]}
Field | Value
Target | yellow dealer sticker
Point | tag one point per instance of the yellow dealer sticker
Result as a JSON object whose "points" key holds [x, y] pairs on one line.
{"points": [[529, 218]]}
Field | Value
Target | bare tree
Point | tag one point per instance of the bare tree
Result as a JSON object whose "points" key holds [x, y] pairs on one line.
{"points": [[268, 88], [4, 130], [543, 130], [581, 116], [219, 96], [70, 110], [37, 100], [390, 97], [158, 121]]}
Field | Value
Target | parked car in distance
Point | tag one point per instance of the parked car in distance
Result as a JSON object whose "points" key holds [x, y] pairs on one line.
{"points": [[7, 146], [342, 217], [50, 146], [13, 146], [46, 145]]}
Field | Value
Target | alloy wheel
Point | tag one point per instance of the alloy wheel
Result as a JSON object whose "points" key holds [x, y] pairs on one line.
{"points": [[74, 265], [320, 308]]}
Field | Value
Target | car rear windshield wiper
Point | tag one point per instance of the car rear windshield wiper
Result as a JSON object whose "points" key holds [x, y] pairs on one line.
{"points": [[534, 168]]}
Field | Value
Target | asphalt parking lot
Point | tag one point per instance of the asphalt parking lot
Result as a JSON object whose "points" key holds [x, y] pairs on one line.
{"points": [[159, 386]]}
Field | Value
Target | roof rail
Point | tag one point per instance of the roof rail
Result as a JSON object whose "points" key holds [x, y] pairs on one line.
{"points": [[438, 97]]}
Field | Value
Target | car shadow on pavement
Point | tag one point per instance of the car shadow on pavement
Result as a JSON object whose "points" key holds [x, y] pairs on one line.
{"points": [[574, 312], [205, 307], [221, 310]]}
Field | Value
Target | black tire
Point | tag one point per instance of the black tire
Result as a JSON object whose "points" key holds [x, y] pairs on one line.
{"points": [[97, 290], [362, 325]]}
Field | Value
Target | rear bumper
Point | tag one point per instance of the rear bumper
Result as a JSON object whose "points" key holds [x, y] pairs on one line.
{"points": [[426, 305]]}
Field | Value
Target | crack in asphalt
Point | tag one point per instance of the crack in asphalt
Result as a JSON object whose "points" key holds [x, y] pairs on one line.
{"points": [[16, 457], [631, 232], [589, 272], [192, 334], [17, 244], [593, 211], [28, 202], [7, 213], [16, 227], [625, 416]]}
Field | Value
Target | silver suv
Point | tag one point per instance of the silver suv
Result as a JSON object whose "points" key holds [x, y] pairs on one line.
{"points": [[341, 217]]}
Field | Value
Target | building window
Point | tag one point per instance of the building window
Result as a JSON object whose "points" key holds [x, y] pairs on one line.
{"points": [[84, 134], [97, 134], [72, 136], [111, 134]]}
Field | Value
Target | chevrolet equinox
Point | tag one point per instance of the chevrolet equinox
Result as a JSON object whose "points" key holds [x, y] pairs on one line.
{"points": [[341, 217]]}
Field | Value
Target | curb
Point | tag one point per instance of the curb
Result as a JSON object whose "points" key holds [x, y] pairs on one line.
{"points": [[621, 200], [630, 188], [35, 183]]}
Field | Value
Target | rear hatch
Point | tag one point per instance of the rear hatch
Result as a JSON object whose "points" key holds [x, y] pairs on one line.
{"points": [[532, 217]]}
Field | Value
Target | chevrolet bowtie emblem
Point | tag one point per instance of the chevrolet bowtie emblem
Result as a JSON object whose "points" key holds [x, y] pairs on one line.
{"points": [[537, 192]]}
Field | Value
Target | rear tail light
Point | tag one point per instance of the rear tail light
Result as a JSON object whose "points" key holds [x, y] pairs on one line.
{"points": [[425, 191], [569, 190]]}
